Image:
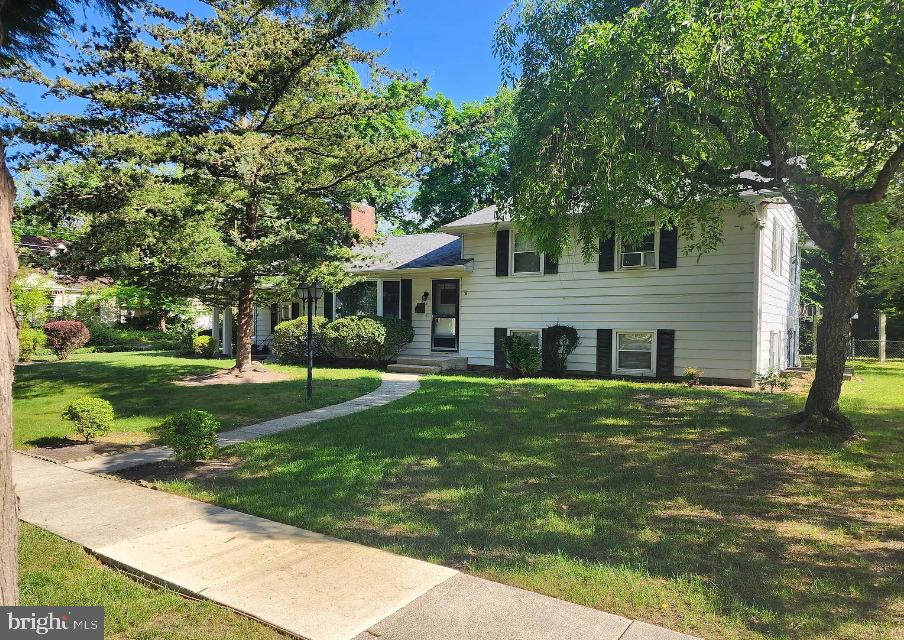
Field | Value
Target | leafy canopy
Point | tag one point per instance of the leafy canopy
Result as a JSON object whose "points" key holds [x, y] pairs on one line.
{"points": [[677, 107], [473, 168]]}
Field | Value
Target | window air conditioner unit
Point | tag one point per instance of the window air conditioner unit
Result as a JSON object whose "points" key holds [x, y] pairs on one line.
{"points": [[633, 259]]}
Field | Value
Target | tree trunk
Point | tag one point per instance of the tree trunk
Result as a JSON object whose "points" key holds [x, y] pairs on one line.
{"points": [[822, 412], [161, 321], [9, 352], [245, 325]]}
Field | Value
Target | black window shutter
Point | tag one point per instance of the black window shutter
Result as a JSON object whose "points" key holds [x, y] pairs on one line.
{"points": [[406, 299], [668, 248], [499, 336], [502, 252], [274, 316], [607, 254], [328, 305], [296, 310], [544, 350], [665, 353], [604, 352], [550, 265]]}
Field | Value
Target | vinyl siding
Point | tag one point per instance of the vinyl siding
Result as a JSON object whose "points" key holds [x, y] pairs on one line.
{"points": [[708, 302], [715, 305], [778, 292]]}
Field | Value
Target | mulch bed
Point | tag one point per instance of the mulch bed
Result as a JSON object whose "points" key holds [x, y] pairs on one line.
{"points": [[228, 376], [168, 470], [63, 450]]}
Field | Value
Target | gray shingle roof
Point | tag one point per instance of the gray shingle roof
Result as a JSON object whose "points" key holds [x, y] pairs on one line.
{"points": [[415, 251], [488, 215]]}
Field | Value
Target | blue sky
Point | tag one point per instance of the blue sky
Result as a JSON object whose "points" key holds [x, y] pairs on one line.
{"points": [[447, 41]]}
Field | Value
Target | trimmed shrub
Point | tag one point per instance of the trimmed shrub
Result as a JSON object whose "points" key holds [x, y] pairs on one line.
{"points": [[92, 417], [30, 340], [65, 336], [202, 346], [692, 376], [559, 342], [521, 356], [371, 339], [192, 435], [770, 379], [290, 339]]}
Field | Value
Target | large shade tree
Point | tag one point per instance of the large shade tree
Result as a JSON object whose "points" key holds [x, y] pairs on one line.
{"points": [[261, 116], [473, 169], [28, 30], [677, 107]]}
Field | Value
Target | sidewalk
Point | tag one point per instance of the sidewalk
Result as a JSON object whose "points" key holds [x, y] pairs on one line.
{"points": [[393, 387], [309, 585]]}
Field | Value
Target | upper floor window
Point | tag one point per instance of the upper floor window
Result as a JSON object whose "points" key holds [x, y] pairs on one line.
{"points": [[639, 254], [525, 257], [778, 247]]}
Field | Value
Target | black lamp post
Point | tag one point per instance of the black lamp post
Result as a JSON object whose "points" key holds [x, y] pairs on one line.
{"points": [[310, 293]]}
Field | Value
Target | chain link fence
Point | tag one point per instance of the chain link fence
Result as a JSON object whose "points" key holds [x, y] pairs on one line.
{"points": [[870, 349]]}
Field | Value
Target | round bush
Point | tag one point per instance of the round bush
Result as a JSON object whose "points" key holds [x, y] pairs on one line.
{"points": [[92, 417], [521, 355], [192, 435], [559, 342], [371, 339], [65, 336], [290, 339], [202, 346], [30, 340]]}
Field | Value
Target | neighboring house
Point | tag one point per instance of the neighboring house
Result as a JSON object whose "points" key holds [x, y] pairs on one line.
{"points": [[645, 310]]}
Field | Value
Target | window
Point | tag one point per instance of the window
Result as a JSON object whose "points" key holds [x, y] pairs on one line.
{"points": [[634, 351], [778, 247], [360, 299], [392, 298], [531, 335], [640, 254], [525, 258]]}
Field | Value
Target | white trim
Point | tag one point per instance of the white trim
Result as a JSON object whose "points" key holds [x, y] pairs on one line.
{"points": [[511, 258], [651, 372], [380, 309]]}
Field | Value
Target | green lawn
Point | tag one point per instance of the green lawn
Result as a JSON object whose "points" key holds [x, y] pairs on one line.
{"points": [[56, 572], [691, 508], [139, 385]]}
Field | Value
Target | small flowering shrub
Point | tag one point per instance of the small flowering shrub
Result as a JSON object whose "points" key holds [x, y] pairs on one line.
{"points": [[692, 376], [92, 417], [65, 336], [770, 379], [192, 435]]}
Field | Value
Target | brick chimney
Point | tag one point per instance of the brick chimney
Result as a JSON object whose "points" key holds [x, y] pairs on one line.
{"points": [[363, 219]]}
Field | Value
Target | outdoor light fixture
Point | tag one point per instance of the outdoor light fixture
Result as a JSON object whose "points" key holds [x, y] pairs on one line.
{"points": [[425, 296], [310, 293]]}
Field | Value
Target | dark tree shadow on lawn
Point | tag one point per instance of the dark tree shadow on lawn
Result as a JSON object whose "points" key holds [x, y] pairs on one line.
{"points": [[490, 474]]}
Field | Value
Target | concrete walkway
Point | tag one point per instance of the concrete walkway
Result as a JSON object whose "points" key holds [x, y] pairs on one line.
{"points": [[393, 387], [307, 584]]}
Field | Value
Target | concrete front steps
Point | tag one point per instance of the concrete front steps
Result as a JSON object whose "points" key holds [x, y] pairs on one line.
{"points": [[427, 365]]}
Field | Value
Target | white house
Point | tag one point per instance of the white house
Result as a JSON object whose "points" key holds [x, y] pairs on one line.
{"points": [[642, 310]]}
